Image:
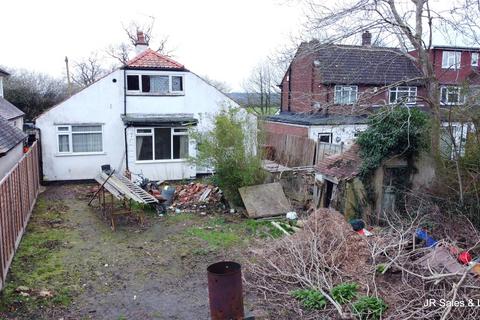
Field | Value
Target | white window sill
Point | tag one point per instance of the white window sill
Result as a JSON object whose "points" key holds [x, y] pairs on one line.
{"points": [[161, 161], [75, 154], [145, 94]]}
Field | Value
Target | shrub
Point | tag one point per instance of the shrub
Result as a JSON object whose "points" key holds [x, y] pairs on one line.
{"points": [[310, 298], [344, 292], [392, 131], [228, 147], [369, 308]]}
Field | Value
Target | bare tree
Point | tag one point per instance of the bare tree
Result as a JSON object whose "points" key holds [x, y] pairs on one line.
{"points": [[220, 85], [262, 88], [88, 70], [34, 92]]}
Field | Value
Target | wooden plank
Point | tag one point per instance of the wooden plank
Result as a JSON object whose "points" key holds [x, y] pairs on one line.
{"points": [[265, 200]]}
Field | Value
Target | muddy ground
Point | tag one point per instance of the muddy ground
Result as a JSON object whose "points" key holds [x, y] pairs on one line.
{"points": [[153, 272]]}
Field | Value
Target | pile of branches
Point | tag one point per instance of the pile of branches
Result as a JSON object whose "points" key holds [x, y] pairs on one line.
{"points": [[389, 265]]}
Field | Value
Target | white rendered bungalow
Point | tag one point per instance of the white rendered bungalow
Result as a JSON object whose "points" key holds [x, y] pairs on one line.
{"points": [[135, 118]]}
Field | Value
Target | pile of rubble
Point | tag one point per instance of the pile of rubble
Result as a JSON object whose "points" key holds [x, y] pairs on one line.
{"points": [[198, 197]]}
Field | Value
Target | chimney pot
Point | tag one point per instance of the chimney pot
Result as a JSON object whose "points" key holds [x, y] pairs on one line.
{"points": [[366, 38], [141, 44]]}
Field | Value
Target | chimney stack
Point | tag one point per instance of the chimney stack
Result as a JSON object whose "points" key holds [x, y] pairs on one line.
{"points": [[366, 38], [141, 44]]}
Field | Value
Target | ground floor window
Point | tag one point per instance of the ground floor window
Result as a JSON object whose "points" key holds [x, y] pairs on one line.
{"points": [[325, 137], [403, 94], [161, 143], [80, 138], [452, 95]]}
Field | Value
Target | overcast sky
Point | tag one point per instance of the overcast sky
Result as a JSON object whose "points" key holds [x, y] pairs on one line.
{"points": [[221, 39]]}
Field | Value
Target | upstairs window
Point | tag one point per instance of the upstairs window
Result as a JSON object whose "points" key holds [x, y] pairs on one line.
{"points": [[474, 59], [451, 95], [403, 94], [345, 94], [155, 84], [161, 143], [451, 59], [80, 138]]}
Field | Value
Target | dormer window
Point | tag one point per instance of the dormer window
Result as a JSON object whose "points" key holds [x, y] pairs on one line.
{"points": [[345, 94], [150, 84], [451, 59], [474, 59]]}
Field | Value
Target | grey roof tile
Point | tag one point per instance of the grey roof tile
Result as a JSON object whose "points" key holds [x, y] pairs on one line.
{"points": [[10, 136], [342, 64], [8, 110]]}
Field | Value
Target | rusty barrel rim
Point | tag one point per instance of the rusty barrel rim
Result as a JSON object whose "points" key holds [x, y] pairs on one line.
{"points": [[224, 268]]}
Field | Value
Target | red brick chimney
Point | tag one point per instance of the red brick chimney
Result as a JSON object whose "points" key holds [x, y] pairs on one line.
{"points": [[366, 38], [141, 44]]}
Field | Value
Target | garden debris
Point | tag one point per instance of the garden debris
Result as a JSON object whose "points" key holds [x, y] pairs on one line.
{"points": [[199, 197], [440, 258], [265, 200]]}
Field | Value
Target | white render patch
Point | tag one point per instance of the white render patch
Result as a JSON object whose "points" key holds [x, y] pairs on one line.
{"points": [[345, 133]]}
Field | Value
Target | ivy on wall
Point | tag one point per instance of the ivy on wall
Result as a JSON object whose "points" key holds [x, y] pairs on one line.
{"points": [[393, 131]]}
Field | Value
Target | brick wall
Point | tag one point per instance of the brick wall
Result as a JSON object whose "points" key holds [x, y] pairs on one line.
{"points": [[287, 129]]}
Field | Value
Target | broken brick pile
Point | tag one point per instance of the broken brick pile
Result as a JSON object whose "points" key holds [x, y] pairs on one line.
{"points": [[198, 197]]}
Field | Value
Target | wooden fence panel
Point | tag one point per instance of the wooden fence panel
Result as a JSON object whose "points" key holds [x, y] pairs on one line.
{"points": [[292, 151], [18, 193]]}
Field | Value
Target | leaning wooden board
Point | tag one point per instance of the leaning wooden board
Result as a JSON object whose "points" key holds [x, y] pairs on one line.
{"points": [[265, 200]]}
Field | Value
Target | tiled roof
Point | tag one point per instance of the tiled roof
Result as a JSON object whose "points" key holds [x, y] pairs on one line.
{"points": [[8, 110], [3, 72], [150, 59], [342, 64], [344, 166], [307, 119], [10, 136]]}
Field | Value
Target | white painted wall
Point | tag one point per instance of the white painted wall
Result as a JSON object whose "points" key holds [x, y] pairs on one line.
{"points": [[103, 102], [8, 161], [340, 133], [1, 86]]}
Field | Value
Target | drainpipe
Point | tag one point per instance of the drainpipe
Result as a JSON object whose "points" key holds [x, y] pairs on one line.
{"points": [[289, 88], [125, 113]]}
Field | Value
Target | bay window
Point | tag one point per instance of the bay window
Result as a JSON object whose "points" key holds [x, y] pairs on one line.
{"points": [[155, 84], [80, 138], [345, 94], [161, 143], [403, 94]]}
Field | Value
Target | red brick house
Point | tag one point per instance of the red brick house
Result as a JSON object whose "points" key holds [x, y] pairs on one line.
{"points": [[328, 90]]}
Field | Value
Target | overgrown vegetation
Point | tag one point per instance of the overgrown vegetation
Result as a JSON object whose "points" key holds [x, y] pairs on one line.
{"points": [[369, 308], [344, 292], [397, 131], [310, 298], [230, 148], [38, 276]]}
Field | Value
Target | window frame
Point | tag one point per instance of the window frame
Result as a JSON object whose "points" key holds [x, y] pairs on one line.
{"points": [[461, 96], [339, 88], [446, 57], [476, 60], [173, 133], [170, 91], [324, 134], [409, 90], [69, 132]]}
